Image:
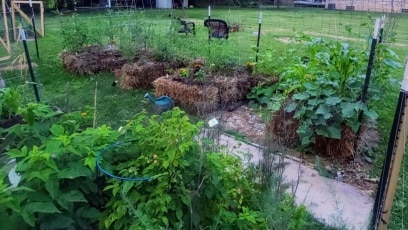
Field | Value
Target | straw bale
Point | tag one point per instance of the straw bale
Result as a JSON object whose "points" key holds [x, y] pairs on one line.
{"points": [[142, 74], [282, 127], [198, 99], [234, 88], [92, 60], [336, 148]]}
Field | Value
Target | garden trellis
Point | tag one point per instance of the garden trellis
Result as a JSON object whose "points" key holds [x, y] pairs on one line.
{"points": [[6, 40], [16, 8]]}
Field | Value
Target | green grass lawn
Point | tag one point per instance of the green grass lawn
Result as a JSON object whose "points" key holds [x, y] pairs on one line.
{"points": [[114, 105]]}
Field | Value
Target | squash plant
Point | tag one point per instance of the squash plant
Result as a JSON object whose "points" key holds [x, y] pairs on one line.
{"points": [[323, 88]]}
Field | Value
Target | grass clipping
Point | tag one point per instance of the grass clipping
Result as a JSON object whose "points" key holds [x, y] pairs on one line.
{"points": [[198, 99], [142, 74]]}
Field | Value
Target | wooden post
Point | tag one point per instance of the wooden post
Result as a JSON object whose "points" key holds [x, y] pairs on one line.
{"points": [[393, 161], [6, 41], [15, 6]]}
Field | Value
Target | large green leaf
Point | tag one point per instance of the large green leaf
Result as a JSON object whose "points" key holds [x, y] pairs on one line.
{"points": [[88, 212], [57, 130], [329, 131], [52, 187], [42, 175], [73, 196], [324, 110], [354, 124], [347, 109], [301, 96], [28, 217], [370, 114], [291, 107], [67, 205], [14, 153], [56, 221], [333, 100], [391, 63], [310, 86], [75, 170], [313, 102], [41, 207], [334, 132]]}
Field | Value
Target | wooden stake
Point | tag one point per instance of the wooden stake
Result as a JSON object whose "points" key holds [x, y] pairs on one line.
{"points": [[94, 115]]}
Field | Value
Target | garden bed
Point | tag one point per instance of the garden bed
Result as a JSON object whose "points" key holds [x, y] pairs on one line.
{"points": [[198, 99], [201, 97], [283, 127], [141, 74], [92, 60]]}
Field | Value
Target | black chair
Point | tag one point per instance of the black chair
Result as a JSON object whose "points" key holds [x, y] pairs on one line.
{"points": [[219, 28], [187, 27]]}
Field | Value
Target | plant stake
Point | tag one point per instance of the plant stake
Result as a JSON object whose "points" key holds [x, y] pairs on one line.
{"points": [[392, 165], [110, 22], [368, 76], [259, 36], [35, 31], [370, 65], [380, 38], [30, 67], [209, 23]]}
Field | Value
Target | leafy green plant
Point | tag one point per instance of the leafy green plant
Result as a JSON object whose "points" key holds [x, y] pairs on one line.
{"points": [[200, 76], [60, 174], [58, 186], [273, 62], [184, 72], [280, 209], [265, 96], [9, 102], [160, 149], [220, 56], [130, 37], [33, 129], [323, 89], [219, 199], [9, 205], [78, 33]]}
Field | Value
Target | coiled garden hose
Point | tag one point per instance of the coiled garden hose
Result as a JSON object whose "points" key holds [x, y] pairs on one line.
{"points": [[98, 165]]}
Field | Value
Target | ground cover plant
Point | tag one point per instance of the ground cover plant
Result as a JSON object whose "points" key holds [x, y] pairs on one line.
{"points": [[72, 94]]}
